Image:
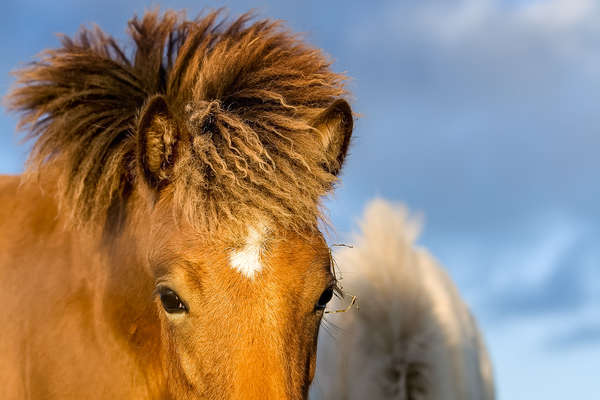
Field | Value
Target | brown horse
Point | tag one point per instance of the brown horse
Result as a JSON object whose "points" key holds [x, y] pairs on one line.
{"points": [[164, 242]]}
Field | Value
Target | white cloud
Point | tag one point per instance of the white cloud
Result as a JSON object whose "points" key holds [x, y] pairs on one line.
{"points": [[557, 25], [557, 14], [450, 22]]}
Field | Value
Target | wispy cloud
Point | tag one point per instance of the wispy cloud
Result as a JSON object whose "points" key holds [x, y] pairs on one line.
{"points": [[476, 103], [578, 336], [557, 14], [562, 291]]}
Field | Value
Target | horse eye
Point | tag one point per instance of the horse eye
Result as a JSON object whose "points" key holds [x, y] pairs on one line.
{"points": [[171, 301], [324, 299]]}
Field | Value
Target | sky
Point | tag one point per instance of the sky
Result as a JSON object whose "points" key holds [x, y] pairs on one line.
{"points": [[480, 115]]}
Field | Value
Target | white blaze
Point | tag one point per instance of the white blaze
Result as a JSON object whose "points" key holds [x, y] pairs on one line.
{"points": [[247, 260]]}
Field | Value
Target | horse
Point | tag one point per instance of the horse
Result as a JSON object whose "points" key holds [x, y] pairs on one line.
{"points": [[413, 338], [165, 240]]}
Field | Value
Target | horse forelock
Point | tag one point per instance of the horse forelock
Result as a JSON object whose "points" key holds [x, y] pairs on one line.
{"points": [[242, 96]]}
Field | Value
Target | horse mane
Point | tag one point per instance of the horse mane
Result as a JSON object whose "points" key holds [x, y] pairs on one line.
{"points": [[243, 95], [414, 334]]}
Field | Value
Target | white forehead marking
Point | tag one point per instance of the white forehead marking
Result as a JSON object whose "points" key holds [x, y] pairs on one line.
{"points": [[247, 260]]}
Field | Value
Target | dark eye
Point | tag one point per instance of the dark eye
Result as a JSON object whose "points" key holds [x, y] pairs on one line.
{"points": [[324, 299], [171, 301]]}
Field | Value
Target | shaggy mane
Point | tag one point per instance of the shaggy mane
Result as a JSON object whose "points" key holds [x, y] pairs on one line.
{"points": [[242, 94], [414, 337]]}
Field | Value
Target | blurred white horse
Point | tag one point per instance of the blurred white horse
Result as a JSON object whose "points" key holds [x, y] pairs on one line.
{"points": [[413, 338]]}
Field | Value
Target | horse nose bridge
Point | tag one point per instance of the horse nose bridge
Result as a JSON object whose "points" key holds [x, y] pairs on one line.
{"points": [[267, 369], [270, 360]]}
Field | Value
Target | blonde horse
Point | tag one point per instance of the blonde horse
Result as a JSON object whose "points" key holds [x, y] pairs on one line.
{"points": [[413, 338], [164, 242]]}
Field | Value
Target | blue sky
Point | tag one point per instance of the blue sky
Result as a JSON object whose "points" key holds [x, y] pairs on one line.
{"points": [[480, 114]]}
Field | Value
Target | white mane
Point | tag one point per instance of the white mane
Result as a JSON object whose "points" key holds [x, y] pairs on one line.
{"points": [[413, 338]]}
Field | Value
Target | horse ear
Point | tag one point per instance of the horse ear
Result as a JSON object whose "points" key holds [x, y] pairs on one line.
{"points": [[335, 128], [156, 138]]}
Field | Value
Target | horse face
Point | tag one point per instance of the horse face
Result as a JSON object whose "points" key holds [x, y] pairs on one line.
{"points": [[240, 320], [239, 316]]}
